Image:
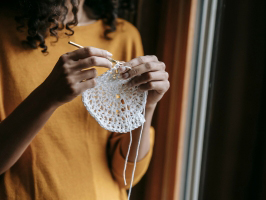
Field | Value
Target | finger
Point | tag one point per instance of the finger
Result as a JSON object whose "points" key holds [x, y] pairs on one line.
{"points": [[140, 60], [87, 85], [147, 67], [147, 77], [160, 86], [87, 52], [123, 69], [91, 62], [85, 75]]}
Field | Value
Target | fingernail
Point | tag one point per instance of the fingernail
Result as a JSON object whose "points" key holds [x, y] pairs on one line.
{"points": [[121, 69], [125, 75], [109, 54]]}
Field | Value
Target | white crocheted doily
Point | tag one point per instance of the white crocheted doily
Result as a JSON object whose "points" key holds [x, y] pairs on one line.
{"points": [[115, 106]]}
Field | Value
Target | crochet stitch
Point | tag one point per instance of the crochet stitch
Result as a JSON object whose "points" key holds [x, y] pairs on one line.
{"points": [[114, 105]]}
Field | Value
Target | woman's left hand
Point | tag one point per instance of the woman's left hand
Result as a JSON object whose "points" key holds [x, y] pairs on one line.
{"points": [[149, 74]]}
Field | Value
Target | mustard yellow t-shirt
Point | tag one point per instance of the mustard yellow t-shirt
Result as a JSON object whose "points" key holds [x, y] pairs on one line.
{"points": [[68, 158]]}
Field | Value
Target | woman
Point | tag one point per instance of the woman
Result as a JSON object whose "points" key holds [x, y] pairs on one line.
{"points": [[50, 147]]}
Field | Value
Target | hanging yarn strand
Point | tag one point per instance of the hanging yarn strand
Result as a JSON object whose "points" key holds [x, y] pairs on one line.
{"points": [[137, 153], [126, 160], [128, 151]]}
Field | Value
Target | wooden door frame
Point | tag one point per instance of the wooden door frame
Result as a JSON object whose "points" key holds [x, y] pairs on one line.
{"points": [[175, 49]]}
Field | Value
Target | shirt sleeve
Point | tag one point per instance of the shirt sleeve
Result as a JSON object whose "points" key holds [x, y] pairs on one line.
{"points": [[118, 161]]}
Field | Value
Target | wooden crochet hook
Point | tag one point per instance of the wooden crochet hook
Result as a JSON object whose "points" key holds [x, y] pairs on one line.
{"points": [[79, 46]]}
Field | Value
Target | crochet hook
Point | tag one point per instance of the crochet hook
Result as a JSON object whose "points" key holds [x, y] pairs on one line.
{"points": [[79, 46]]}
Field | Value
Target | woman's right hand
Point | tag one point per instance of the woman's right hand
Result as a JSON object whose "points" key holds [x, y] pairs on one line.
{"points": [[71, 76]]}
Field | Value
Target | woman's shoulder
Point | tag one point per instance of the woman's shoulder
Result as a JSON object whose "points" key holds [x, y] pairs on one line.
{"points": [[122, 23], [126, 28], [129, 39]]}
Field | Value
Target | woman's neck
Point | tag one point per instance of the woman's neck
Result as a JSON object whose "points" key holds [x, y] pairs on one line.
{"points": [[83, 14]]}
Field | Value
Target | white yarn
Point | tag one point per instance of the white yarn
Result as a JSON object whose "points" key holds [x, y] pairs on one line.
{"points": [[125, 166], [117, 108], [136, 158]]}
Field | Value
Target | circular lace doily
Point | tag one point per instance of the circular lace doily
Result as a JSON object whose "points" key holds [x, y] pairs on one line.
{"points": [[115, 106]]}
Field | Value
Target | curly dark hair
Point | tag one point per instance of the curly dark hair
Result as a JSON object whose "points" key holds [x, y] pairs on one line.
{"points": [[40, 16]]}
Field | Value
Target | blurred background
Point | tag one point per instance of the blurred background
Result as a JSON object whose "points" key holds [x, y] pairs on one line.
{"points": [[211, 125]]}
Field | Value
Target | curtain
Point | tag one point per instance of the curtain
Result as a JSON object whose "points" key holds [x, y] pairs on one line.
{"points": [[167, 29]]}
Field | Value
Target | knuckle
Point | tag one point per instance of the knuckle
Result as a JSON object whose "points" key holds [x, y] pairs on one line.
{"points": [[69, 81], [63, 58], [65, 65], [92, 83], [65, 69], [154, 57], [93, 61], [150, 85], [82, 62], [88, 51], [148, 66], [163, 65], [134, 71], [149, 76], [94, 72], [72, 90], [141, 59], [166, 75]]}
